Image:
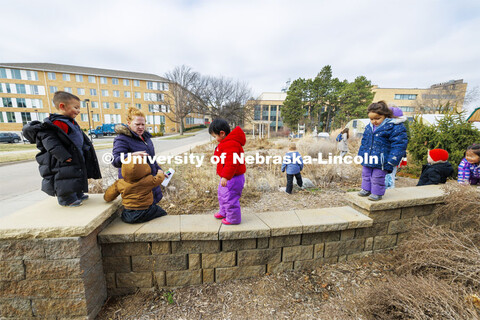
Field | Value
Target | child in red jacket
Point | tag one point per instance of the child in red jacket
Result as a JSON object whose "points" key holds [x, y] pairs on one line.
{"points": [[230, 170]]}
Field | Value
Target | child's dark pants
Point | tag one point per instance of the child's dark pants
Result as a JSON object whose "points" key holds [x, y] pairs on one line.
{"points": [[139, 216], [298, 176]]}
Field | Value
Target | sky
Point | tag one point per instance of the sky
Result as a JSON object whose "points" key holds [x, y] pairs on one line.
{"points": [[395, 44]]}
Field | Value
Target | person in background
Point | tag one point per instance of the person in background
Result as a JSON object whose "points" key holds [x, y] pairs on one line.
{"points": [[342, 145], [293, 164]]}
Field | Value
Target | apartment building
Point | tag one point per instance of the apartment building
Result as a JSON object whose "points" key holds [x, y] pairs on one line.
{"points": [[26, 93], [425, 101]]}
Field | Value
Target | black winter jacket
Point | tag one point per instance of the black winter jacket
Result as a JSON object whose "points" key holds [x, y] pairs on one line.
{"points": [[435, 173], [60, 177]]}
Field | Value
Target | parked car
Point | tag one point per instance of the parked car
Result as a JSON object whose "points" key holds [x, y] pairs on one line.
{"points": [[9, 137]]}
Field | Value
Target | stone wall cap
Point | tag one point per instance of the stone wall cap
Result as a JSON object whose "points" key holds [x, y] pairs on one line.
{"points": [[47, 219], [251, 227], [328, 219], [282, 223], [165, 228], [119, 231], [199, 227], [400, 198]]}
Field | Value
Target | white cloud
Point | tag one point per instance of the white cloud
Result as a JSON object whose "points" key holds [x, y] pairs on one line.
{"points": [[393, 43]]}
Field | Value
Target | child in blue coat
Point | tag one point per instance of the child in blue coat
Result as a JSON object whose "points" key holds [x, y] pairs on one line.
{"points": [[383, 145], [293, 164]]}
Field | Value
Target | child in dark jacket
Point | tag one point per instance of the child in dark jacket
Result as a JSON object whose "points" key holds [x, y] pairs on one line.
{"points": [[67, 157], [293, 164], [230, 170], [383, 145], [136, 189], [437, 170]]}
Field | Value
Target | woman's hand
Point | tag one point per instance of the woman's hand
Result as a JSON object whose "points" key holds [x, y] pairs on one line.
{"points": [[223, 182]]}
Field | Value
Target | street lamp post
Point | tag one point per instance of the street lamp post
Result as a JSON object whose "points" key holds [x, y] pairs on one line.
{"points": [[89, 124]]}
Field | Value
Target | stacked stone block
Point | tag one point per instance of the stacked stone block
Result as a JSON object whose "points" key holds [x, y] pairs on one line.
{"points": [[51, 278]]}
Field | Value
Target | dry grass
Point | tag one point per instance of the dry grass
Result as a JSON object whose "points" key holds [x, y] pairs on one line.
{"points": [[405, 297]]}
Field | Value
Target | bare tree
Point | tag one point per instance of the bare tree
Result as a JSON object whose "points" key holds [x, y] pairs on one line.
{"points": [[226, 98], [185, 86]]}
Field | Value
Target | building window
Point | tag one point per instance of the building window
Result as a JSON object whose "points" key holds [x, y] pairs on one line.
{"points": [[103, 80], [16, 74], [138, 105], [11, 117], [407, 109], [116, 93], [79, 78], [106, 105], [51, 76], [53, 89], [126, 94], [21, 103], [138, 95], [91, 79], [81, 91], [66, 77], [105, 93], [3, 73], [84, 117], [126, 82], [405, 97], [127, 105], [136, 83], [26, 117], [32, 75], [20, 89], [68, 89], [94, 104], [117, 105], [37, 103], [93, 92], [95, 117], [114, 81], [34, 89]]}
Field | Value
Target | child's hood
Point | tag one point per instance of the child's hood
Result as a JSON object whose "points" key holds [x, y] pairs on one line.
{"points": [[133, 172], [236, 135], [399, 120]]}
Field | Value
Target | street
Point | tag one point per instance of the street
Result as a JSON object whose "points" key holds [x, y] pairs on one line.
{"points": [[21, 182]]}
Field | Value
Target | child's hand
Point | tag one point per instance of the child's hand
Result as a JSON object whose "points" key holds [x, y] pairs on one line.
{"points": [[68, 160], [160, 175], [223, 182]]}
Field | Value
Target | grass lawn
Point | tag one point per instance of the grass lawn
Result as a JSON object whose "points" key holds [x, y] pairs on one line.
{"points": [[16, 146], [178, 137], [12, 157]]}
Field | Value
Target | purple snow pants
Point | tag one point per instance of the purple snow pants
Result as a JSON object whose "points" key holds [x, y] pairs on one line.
{"points": [[229, 199], [373, 180]]}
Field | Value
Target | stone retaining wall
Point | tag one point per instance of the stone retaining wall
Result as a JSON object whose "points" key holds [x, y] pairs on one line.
{"points": [[69, 275]]}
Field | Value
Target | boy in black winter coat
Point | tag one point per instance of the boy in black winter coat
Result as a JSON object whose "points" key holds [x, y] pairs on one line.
{"points": [[437, 170], [67, 157]]}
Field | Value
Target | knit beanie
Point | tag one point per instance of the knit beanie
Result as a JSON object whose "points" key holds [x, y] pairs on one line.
{"points": [[438, 155]]}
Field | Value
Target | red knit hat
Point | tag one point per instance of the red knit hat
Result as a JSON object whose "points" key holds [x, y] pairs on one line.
{"points": [[438, 155]]}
